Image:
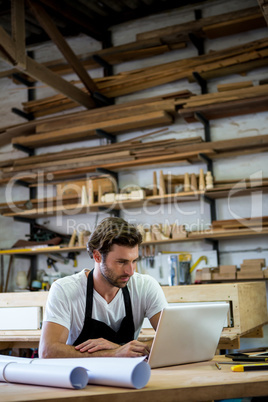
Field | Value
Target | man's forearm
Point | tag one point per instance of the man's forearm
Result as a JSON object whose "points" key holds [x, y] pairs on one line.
{"points": [[60, 350]]}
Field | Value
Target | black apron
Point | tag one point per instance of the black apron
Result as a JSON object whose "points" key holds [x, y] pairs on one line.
{"points": [[94, 329]]}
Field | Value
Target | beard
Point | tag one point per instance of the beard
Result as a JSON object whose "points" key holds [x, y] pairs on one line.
{"points": [[118, 281]]}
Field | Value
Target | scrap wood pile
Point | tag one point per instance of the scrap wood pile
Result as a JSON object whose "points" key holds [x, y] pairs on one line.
{"points": [[238, 59], [132, 154]]}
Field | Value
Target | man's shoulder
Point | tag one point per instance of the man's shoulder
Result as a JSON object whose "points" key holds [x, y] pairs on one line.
{"points": [[142, 282], [137, 277], [71, 282]]}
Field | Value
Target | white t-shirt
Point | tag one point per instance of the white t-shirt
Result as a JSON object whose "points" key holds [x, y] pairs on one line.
{"points": [[66, 303]]}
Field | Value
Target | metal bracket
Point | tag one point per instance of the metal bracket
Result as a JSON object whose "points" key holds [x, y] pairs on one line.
{"points": [[207, 160], [108, 136], [102, 98], [22, 148], [108, 172], [197, 42], [199, 116], [27, 116], [22, 80], [22, 183], [24, 220], [212, 204], [215, 246], [201, 81], [103, 63]]}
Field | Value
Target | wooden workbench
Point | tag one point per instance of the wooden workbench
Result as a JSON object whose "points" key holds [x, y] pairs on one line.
{"points": [[189, 382]]}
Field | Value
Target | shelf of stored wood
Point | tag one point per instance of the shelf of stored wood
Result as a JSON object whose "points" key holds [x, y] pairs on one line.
{"points": [[156, 200], [191, 236]]}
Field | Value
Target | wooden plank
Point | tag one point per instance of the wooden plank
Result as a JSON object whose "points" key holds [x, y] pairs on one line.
{"points": [[80, 160], [137, 106], [232, 27], [88, 130], [51, 29], [234, 85], [226, 96], [220, 110]]}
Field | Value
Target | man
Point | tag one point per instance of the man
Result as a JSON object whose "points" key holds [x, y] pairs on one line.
{"points": [[100, 312]]}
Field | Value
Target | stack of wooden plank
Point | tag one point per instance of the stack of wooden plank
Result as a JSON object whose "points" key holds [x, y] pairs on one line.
{"points": [[223, 272], [132, 154], [238, 59], [150, 112], [229, 188], [227, 24], [233, 224], [251, 268], [228, 103], [84, 160], [163, 40]]}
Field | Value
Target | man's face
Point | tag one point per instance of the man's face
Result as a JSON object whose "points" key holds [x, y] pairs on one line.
{"points": [[120, 265]]}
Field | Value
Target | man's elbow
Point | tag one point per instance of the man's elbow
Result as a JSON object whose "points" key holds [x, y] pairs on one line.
{"points": [[46, 351]]}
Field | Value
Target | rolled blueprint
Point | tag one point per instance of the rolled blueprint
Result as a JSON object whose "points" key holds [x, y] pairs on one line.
{"points": [[130, 372], [53, 376]]}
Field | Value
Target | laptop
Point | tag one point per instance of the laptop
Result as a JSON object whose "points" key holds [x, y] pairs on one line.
{"points": [[188, 333]]}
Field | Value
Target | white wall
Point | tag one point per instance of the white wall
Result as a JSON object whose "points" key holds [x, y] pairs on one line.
{"points": [[194, 214]]}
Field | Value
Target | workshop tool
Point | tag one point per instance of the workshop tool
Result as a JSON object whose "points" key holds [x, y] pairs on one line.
{"points": [[73, 256], [184, 269], [152, 256], [160, 265], [51, 263], [202, 258], [173, 276]]}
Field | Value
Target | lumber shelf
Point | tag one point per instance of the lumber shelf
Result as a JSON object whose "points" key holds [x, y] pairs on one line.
{"points": [[214, 193], [41, 250], [78, 208], [191, 236]]}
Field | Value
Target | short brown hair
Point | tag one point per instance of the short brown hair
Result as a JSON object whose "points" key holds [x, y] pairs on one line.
{"points": [[112, 231]]}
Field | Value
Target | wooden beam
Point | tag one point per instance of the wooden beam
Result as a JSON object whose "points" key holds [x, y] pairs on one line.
{"points": [[41, 73], [51, 29], [8, 46], [18, 31], [264, 8]]}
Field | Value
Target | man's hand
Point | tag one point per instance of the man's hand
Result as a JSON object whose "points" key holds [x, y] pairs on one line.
{"points": [[93, 345], [132, 349]]}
